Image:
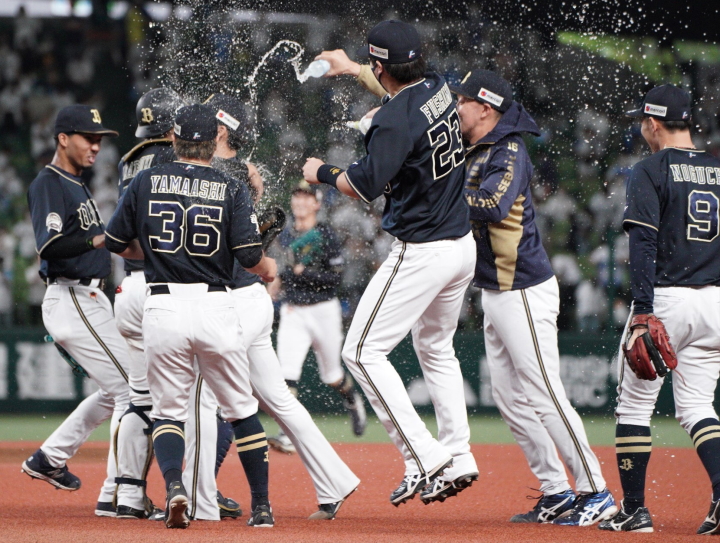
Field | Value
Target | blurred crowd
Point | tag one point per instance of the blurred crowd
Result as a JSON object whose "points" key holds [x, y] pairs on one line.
{"points": [[582, 159]]}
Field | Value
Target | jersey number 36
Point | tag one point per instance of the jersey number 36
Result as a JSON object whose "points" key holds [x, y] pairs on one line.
{"points": [[191, 228]]}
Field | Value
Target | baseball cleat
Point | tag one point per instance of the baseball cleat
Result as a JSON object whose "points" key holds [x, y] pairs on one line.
{"points": [[105, 509], [412, 484], [177, 504], [548, 508], [157, 514], [588, 509], [127, 512], [440, 490], [261, 517], [229, 508], [38, 467], [327, 511], [639, 521], [358, 416], [281, 443], [711, 525]]}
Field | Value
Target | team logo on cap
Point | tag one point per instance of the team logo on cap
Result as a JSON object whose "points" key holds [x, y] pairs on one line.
{"points": [[685, 115], [378, 51], [227, 119], [178, 129], [196, 135], [489, 96], [652, 109], [411, 54]]}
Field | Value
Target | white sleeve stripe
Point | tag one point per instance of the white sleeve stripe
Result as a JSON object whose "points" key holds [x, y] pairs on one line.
{"points": [[48, 242], [641, 224], [108, 234], [362, 197]]}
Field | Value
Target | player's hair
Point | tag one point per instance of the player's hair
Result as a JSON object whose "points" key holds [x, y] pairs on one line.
{"points": [[676, 126], [236, 141], [194, 150], [407, 72]]}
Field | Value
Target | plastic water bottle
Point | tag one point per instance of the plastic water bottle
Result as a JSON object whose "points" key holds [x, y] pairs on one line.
{"points": [[317, 68]]}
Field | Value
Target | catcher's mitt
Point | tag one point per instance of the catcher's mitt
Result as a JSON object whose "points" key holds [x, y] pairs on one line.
{"points": [[651, 354], [271, 223]]}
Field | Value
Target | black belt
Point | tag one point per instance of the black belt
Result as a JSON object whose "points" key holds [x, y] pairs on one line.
{"points": [[164, 289], [84, 281]]}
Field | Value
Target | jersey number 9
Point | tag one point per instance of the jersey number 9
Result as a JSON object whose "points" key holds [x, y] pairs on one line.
{"points": [[190, 228], [704, 221]]}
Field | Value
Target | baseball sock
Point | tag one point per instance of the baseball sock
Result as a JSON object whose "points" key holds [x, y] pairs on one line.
{"points": [[169, 443], [346, 388], [224, 440], [252, 448], [293, 386], [633, 445], [706, 438]]}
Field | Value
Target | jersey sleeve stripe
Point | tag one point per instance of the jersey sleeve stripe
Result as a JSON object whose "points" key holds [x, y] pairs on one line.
{"points": [[48, 242], [641, 224], [108, 234], [362, 197], [247, 245]]}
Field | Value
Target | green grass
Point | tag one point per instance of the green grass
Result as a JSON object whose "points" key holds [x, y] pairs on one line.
{"points": [[483, 429]]}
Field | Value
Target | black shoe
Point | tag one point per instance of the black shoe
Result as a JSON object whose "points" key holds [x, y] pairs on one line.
{"points": [[38, 467], [712, 521], [548, 508], [412, 484], [229, 508], [639, 521], [105, 509], [327, 511], [358, 416], [177, 504], [125, 511], [261, 517]]}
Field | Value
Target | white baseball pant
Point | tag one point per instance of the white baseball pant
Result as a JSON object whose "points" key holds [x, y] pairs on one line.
{"points": [[80, 319], [318, 326], [332, 478], [419, 287], [691, 316], [524, 361]]}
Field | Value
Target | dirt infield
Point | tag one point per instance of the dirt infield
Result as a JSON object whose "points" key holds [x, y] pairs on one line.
{"points": [[678, 497]]}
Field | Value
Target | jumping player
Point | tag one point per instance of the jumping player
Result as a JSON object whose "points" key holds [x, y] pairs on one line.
{"points": [[70, 240], [521, 302], [189, 221], [310, 314], [415, 159], [671, 217]]}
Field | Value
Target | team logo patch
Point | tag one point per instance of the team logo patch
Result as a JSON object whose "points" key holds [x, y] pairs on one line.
{"points": [[491, 97], [685, 115], [53, 222], [196, 135], [378, 51], [411, 54], [96, 116], [652, 109], [227, 119], [178, 129]]}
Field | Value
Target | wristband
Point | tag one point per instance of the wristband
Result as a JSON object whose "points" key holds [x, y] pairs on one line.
{"points": [[89, 242], [328, 174]]}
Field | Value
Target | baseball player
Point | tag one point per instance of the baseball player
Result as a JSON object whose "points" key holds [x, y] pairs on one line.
{"points": [[155, 112], [189, 221], [311, 313], [671, 217], [521, 302], [415, 158], [70, 238]]}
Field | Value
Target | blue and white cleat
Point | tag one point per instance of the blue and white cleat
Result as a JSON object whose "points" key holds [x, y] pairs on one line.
{"points": [[548, 508], [588, 509]]}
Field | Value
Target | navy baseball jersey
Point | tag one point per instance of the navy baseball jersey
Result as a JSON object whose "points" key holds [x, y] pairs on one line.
{"points": [[510, 254], [319, 252], [415, 158], [189, 220], [145, 155], [676, 193], [236, 168], [61, 205]]}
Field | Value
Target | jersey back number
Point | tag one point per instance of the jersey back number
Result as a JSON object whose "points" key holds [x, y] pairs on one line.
{"points": [[703, 217], [446, 141], [190, 228]]}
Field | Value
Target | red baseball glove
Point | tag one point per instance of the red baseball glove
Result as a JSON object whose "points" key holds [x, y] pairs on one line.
{"points": [[651, 354]]}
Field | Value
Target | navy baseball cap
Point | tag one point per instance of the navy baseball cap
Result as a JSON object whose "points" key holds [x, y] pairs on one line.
{"points": [[666, 102], [392, 42], [486, 87], [196, 123], [228, 110], [79, 119]]}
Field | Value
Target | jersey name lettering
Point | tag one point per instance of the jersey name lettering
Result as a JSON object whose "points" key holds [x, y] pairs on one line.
{"points": [[133, 168], [88, 215], [695, 174], [437, 105], [177, 184]]}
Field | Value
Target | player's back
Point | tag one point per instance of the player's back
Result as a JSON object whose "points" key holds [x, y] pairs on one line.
{"points": [[189, 220], [677, 192], [145, 155]]}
